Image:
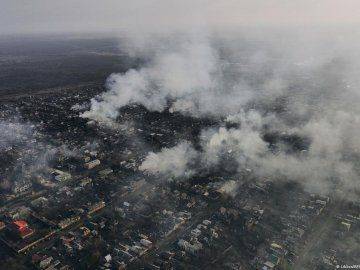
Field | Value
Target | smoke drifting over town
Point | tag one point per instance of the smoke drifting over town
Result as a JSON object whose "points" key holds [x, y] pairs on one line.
{"points": [[167, 134], [35, 155], [173, 162], [267, 88], [12, 133], [305, 90]]}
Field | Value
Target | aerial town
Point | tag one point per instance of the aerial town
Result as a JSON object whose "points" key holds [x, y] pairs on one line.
{"points": [[179, 135], [78, 201]]}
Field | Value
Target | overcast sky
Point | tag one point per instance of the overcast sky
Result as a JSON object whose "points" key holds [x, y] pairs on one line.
{"points": [[51, 16]]}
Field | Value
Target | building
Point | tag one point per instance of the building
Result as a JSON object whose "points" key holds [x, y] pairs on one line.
{"points": [[105, 172], [61, 176], [92, 164], [45, 262], [21, 228], [68, 221], [85, 182], [20, 187], [268, 266], [146, 243], [188, 247], [85, 231], [346, 226]]}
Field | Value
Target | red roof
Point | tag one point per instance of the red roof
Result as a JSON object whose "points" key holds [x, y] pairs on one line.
{"points": [[21, 224]]}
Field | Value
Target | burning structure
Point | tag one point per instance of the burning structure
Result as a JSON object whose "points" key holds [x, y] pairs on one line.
{"points": [[21, 228]]}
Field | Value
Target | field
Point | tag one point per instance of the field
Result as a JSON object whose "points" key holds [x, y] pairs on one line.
{"points": [[34, 63]]}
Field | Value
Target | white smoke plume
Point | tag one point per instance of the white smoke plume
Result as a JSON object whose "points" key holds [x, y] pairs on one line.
{"points": [[305, 86], [12, 133], [246, 144], [184, 73], [171, 162], [33, 155], [328, 164], [229, 188]]}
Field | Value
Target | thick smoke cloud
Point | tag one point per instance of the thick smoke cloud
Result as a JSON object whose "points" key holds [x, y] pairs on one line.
{"points": [[278, 89], [184, 72], [326, 165], [171, 162], [313, 97]]}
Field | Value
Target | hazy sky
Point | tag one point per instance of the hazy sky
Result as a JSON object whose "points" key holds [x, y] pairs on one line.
{"points": [[34, 16]]}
